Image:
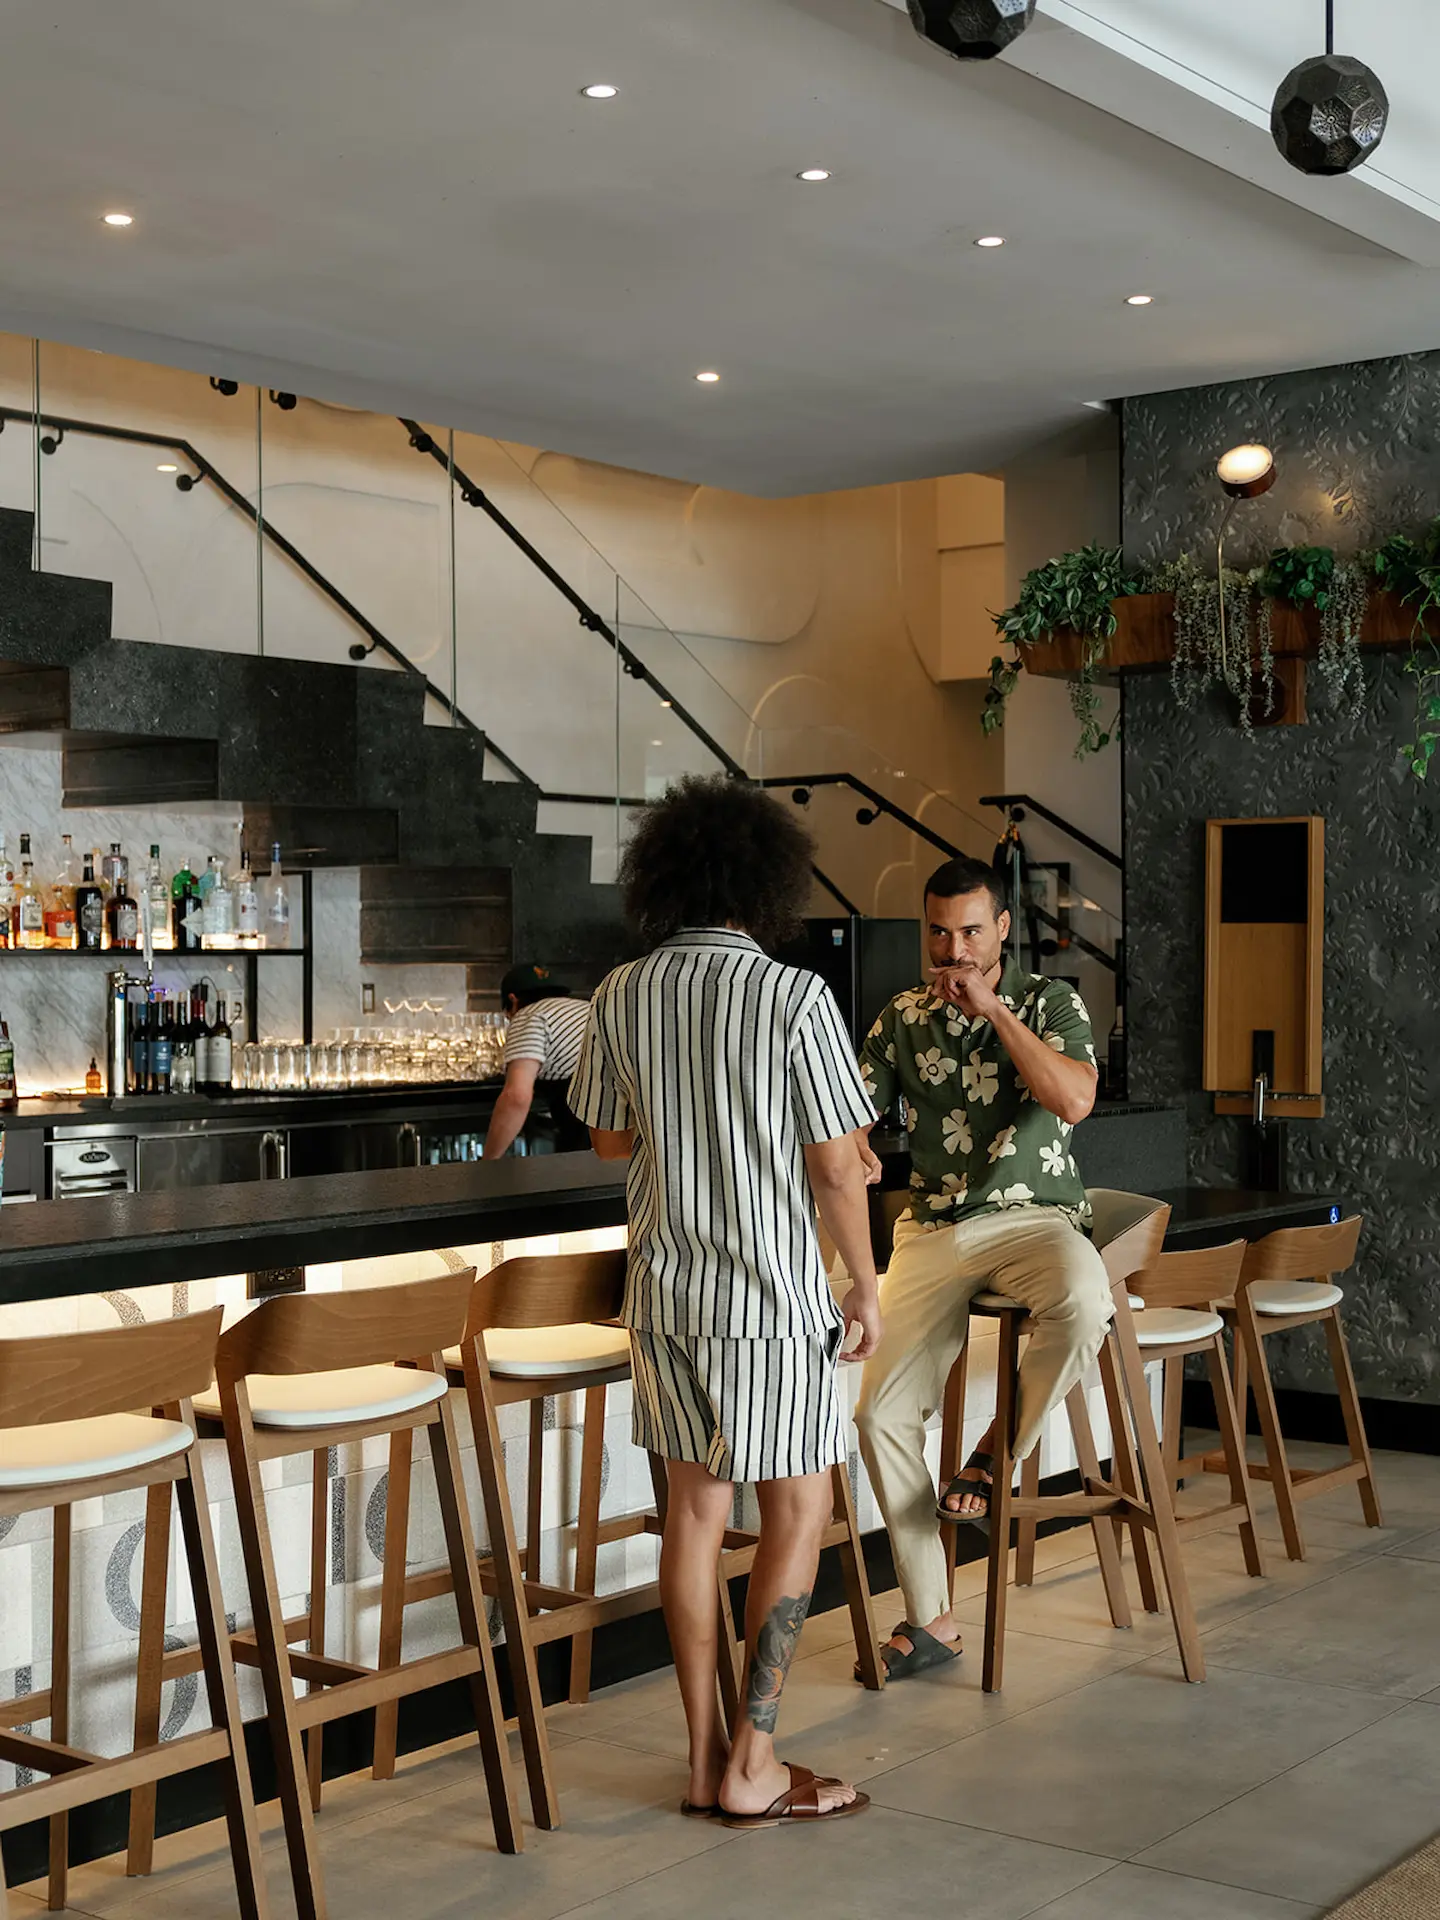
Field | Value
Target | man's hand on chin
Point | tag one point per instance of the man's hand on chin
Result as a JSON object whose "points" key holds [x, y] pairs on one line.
{"points": [[964, 987]]}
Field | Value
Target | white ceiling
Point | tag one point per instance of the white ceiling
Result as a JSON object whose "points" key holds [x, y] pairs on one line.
{"points": [[411, 208]]}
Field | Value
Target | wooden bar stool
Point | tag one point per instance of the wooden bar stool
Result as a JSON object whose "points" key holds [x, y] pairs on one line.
{"points": [[1288, 1280], [67, 1434], [1128, 1232], [1177, 1318], [543, 1325], [335, 1368]]}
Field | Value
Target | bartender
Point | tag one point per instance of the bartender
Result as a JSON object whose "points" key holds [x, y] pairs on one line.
{"points": [[542, 1051]]}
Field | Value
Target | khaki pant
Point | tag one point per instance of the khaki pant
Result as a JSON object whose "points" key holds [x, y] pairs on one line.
{"points": [[1032, 1255]]}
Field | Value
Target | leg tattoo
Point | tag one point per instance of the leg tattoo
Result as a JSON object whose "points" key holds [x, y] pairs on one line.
{"points": [[774, 1650]]}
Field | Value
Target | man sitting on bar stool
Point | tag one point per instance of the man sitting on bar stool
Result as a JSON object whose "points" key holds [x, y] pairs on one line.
{"points": [[728, 1081], [997, 1067]]}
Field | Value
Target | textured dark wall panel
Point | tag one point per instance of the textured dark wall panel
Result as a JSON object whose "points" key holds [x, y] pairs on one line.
{"points": [[1360, 453], [1357, 452]]}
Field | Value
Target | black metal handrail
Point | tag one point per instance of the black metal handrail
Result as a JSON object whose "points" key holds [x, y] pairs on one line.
{"points": [[474, 495], [1006, 801]]}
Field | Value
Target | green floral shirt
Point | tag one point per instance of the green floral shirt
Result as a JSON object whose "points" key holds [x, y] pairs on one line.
{"points": [[978, 1136]]}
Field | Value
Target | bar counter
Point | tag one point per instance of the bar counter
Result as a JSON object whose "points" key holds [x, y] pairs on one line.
{"points": [[57, 1248]]}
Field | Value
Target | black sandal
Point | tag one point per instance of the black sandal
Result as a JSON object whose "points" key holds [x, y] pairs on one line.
{"points": [[925, 1652], [978, 1489]]}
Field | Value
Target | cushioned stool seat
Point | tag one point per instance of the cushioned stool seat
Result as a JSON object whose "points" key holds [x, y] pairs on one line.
{"points": [[1175, 1326], [304, 1400], [1295, 1296], [539, 1353], [85, 1449], [999, 1302]]}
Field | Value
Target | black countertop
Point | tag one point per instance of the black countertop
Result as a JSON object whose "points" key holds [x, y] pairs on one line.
{"points": [[55, 1248]]}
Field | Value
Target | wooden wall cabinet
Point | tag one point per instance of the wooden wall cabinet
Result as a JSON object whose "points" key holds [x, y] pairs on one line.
{"points": [[1264, 939]]}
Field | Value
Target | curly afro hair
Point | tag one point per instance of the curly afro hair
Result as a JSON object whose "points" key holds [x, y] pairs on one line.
{"points": [[717, 852]]}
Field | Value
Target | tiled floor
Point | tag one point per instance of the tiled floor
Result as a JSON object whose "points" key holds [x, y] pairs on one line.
{"points": [[1097, 1786]]}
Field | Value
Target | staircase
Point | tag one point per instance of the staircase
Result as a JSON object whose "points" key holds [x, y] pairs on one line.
{"points": [[335, 762]]}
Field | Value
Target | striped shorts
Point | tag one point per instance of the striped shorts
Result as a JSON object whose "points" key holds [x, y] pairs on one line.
{"points": [[745, 1410]]}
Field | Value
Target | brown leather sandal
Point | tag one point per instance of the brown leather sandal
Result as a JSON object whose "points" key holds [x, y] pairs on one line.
{"points": [[801, 1802]]}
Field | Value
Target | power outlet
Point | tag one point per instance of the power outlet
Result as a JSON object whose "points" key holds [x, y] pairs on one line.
{"points": [[367, 996]]}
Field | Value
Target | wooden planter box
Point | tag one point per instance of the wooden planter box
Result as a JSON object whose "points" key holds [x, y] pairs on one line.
{"points": [[1145, 636]]}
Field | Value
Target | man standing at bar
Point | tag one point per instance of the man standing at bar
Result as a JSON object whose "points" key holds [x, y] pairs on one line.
{"points": [[729, 1082], [997, 1067], [542, 1046]]}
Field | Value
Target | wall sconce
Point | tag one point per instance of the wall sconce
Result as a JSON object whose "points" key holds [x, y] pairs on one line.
{"points": [[1245, 472]]}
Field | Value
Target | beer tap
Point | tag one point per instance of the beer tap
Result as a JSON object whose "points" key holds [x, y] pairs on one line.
{"points": [[117, 1010]]}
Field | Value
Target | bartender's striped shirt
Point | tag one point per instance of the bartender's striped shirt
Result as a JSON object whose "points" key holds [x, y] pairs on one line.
{"points": [[550, 1031], [726, 1064]]}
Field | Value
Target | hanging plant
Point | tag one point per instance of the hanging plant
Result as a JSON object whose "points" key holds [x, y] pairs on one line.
{"points": [[1074, 591], [1240, 660]]}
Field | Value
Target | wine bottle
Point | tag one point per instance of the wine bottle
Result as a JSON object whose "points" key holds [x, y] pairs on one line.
{"points": [[221, 1052], [9, 1097], [139, 1047], [201, 1031], [89, 910], [60, 907]]}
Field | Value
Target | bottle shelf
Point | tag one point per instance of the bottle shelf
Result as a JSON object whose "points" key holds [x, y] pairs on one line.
{"points": [[162, 958]]}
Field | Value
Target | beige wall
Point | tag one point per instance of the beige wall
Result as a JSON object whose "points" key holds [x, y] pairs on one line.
{"points": [[808, 635]]}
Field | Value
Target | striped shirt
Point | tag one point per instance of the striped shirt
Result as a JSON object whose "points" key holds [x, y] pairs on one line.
{"points": [[726, 1064], [550, 1031]]}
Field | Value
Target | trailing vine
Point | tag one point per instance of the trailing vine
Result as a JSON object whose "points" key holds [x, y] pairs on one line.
{"points": [[1077, 591]]}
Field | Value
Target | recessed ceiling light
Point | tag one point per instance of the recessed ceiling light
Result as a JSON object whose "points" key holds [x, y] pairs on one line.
{"points": [[657, 743], [600, 90], [667, 703], [167, 466], [707, 379], [814, 173], [991, 240], [1139, 299], [119, 219]]}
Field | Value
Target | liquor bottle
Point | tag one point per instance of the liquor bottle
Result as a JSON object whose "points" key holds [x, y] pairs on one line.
{"points": [[247, 903], [114, 870], [89, 910], [7, 895], [157, 890], [220, 1053], [8, 1094], [29, 920], [185, 914], [220, 907], [122, 916], [60, 906], [277, 904], [94, 1080]]}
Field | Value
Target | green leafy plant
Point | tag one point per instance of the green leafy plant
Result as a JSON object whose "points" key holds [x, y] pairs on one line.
{"points": [[1410, 569], [1075, 591], [1301, 575]]}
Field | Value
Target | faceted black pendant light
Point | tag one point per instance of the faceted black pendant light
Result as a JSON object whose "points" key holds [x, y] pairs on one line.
{"points": [[971, 29], [1330, 112]]}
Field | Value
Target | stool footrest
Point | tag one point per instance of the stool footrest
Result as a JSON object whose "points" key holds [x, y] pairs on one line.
{"points": [[1082, 1506], [45, 1756], [626, 1526], [389, 1683], [102, 1777]]}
